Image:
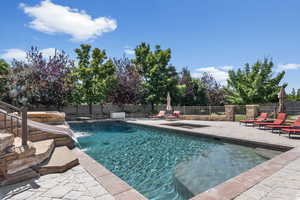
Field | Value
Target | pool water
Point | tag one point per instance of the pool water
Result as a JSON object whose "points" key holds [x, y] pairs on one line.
{"points": [[146, 158]]}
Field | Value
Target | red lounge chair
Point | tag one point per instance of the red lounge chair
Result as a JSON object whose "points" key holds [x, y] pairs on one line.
{"points": [[175, 115], [279, 121], [291, 131], [262, 117], [161, 114], [278, 127]]}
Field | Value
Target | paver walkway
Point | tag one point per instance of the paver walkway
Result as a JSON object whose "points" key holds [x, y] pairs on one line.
{"points": [[74, 184]]}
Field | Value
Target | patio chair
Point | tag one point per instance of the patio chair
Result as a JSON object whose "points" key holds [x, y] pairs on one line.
{"points": [[161, 114], [175, 115], [279, 127], [291, 131], [279, 121], [262, 117]]}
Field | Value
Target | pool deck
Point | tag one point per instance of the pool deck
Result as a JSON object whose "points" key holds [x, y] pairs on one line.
{"points": [[227, 130], [277, 178]]}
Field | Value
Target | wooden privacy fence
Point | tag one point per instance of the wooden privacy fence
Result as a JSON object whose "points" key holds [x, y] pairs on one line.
{"points": [[292, 108], [103, 111]]}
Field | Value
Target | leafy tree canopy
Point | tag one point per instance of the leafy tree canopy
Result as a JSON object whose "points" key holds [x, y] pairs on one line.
{"points": [[215, 93], [158, 75], [128, 89], [191, 91], [294, 96], [40, 80], [4, 70], [254, 84], [95, 75]]}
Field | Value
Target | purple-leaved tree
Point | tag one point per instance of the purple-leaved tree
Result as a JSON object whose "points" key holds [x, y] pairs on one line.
{"points": [[128, 87], [41, 80]]}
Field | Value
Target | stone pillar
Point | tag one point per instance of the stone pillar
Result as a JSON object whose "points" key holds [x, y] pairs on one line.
{"points": [[230, 112], [251, 111]]}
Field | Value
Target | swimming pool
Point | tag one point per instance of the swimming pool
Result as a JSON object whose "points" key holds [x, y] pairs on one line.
{"points": [[148, 158]]}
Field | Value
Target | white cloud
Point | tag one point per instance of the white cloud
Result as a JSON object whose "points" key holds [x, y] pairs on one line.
{"points": [[285, 67], [53, 18], [48, 52], [20, 54], [129, 51], [218, 73], [227, 68], [10, 54]]}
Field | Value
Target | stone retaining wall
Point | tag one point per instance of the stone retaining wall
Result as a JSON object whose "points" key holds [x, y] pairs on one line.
{"points": [[205, 117], [47, 117]]}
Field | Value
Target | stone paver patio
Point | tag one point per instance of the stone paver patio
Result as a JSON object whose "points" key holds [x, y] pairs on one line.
{"points": [[278, 178], [74, 184], [282, 185]]}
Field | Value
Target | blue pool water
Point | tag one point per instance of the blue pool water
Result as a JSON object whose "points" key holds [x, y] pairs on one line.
{"points": [[146, 158]]}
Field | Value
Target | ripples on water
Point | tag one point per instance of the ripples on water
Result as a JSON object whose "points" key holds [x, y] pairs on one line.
{"points": [[146, 157]]}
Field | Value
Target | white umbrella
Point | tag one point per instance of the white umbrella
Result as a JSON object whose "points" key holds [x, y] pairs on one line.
{"points": [[169, 107]]}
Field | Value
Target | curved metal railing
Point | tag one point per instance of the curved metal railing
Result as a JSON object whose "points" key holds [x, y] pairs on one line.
{"points": [[15, 116]]}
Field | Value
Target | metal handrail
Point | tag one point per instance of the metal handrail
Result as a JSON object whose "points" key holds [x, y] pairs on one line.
{"points": [[10, 106], [22, 112]]}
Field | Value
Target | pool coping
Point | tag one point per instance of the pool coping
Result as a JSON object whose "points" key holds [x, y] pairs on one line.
{"points": [[227, 190], [118, 188]]}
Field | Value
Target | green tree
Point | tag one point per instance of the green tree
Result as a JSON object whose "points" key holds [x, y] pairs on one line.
{"points": [[95, 75], [158, 75], [254, 84], [192, 91], [292, 96], [4, 70], [215, 93]]}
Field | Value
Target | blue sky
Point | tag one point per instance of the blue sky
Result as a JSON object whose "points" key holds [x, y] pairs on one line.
{"points": [[205, 35]]}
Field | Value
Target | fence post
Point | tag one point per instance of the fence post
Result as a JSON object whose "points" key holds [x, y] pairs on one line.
{"points": [[24, 127], [230, 112], [251, 111]]}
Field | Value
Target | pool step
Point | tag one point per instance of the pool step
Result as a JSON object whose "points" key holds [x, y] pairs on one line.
{"points": [[24, 157], [59, 139], [6, 140], [61, 160], [19, 176]]}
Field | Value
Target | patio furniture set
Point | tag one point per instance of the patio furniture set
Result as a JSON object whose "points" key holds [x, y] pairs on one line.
{"points": [[278, 124]]}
